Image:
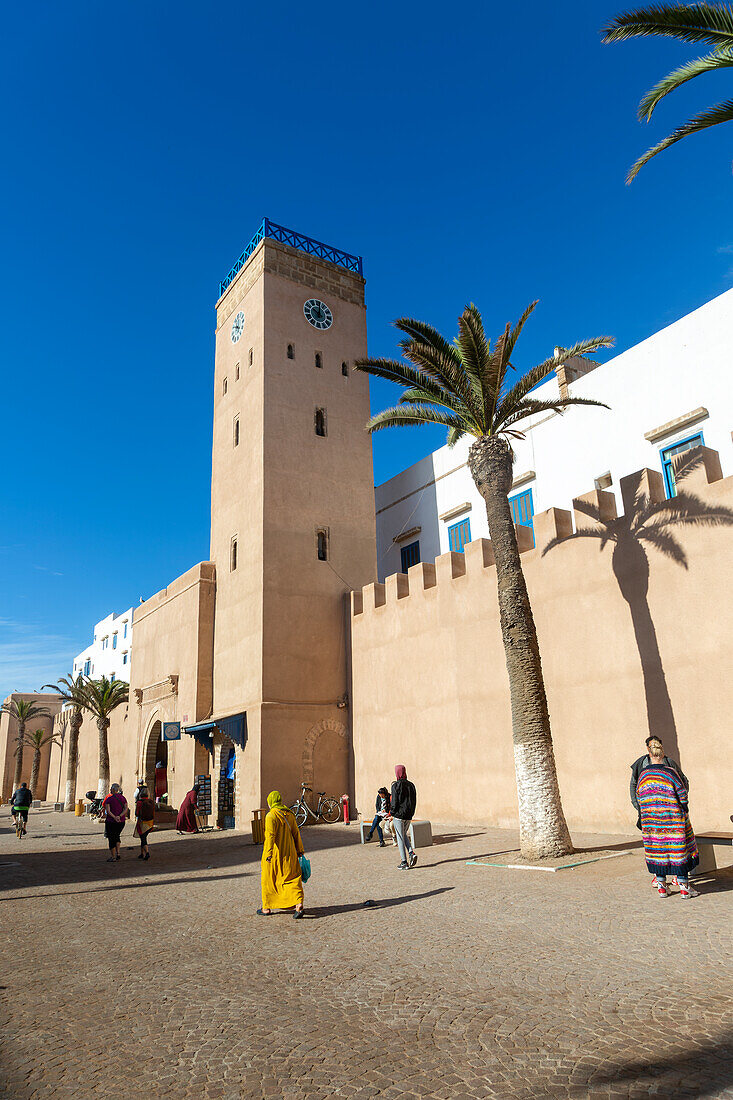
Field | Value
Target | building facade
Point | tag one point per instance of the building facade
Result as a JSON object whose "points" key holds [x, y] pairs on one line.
{"points": [[275, 681], [665, 395], [110, 654]]}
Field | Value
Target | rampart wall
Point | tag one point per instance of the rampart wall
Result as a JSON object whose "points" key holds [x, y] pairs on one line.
{"points": [[635, 626]]}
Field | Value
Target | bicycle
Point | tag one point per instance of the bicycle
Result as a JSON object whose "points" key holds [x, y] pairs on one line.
{"points": [[329, 808], [20, 820]]}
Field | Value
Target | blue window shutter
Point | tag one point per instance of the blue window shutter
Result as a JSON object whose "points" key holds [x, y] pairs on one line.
{"points": [[410, 555], [458, 535], [523, 508]]}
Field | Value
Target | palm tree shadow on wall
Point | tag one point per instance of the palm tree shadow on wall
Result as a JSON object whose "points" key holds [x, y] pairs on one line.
{"points": [[649, 524]]}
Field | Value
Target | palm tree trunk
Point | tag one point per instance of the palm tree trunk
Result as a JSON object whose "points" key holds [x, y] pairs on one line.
{"points": [[103, 784], [543, 831], [35, 770], [72, 762], [19, 743]]}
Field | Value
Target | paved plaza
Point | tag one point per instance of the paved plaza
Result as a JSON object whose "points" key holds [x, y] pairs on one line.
{"points": [[159, 979]]}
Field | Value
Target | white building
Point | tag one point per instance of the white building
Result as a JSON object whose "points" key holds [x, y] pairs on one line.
{"points": [[671, 392], [110, 653]]}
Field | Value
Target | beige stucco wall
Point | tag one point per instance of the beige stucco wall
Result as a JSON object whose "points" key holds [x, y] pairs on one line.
{"points": [[430, 686], [8, 733]]}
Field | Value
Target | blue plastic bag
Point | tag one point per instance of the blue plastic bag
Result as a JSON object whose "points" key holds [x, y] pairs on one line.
{"points": [[305, 867]]}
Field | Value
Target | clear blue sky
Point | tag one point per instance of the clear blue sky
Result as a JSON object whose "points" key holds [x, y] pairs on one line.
{"points": [[469, 153]]}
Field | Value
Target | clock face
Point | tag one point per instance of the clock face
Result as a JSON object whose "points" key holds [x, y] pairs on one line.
{"points": [[317, 314], [237, 327]]}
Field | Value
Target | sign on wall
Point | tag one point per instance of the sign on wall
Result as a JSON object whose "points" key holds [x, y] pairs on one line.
{"points": [[171, 731]]}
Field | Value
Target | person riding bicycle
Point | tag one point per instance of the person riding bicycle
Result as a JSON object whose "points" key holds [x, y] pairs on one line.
{"points": [[20, 804]]}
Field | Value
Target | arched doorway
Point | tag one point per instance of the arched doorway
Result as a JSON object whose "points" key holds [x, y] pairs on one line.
{"points": [[325, 761], [156, 764]]}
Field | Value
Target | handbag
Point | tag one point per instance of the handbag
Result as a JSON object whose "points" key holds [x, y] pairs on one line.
{"points": [[305, 867]]}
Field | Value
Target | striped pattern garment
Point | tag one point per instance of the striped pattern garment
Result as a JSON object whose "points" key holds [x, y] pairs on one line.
{"points": [[669, 842]]}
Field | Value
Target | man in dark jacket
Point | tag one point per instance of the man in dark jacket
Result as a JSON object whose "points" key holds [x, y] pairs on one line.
{"points": [[403, 801], [20, 804], [644, 761]]}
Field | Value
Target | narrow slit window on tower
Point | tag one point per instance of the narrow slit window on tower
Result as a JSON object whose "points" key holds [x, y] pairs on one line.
{"points": [[235, 433], [251, 356], [345, 369], [236, 372], [322, 543], [233, 554], [319, 360], [320, 421], [224, 386], [291, 351]]}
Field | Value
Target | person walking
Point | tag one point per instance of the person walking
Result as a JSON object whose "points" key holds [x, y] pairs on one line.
{"points": [[670, 847], [116, 813], [382, 808], [186, 820], [403, 801], [145, 819], [282, 881]]}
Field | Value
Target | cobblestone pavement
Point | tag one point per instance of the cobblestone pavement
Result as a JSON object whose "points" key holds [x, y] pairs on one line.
{"points": [[159, 979]]}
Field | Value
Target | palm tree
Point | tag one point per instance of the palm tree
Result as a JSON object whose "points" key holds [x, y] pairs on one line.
{"points": [[463, 387], [711, 24], [68, 688], [649, 524], [99, 698], [23, 711], [38, 740]]}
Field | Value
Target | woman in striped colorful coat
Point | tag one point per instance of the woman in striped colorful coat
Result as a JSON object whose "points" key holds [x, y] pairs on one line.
{"points": [[669, 842]]}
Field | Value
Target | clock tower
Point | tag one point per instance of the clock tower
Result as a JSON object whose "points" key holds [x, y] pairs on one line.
{"points": [[292, 509]]}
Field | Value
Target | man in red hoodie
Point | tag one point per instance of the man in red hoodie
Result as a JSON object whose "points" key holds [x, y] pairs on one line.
{"points": [[403, 801]]}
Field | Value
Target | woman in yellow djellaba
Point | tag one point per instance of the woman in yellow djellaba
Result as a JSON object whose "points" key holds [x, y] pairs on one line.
{"points": [[282, 883]]}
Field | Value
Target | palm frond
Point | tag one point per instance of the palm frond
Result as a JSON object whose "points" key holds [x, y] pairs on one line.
{"points": [[401, 416], [394, 370], [538, 374], [686, 510], [528, 407], [472, 344], [432, 395], [516, 332], [709, 23], [719, 59], [723, 112], [447, 370]]}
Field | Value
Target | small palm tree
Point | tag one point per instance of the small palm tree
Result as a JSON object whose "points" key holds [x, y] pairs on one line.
{"points": [[38, 740], [23, 711], [463, 387], [99, 698], [69, 688], [711, 24]]}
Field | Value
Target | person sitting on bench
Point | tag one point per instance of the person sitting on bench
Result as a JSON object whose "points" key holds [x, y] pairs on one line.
{"points": [[382, 815]]}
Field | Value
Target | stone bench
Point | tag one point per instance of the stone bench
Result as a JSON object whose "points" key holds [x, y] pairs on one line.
{"points": [[705, 842], [421, 833]]}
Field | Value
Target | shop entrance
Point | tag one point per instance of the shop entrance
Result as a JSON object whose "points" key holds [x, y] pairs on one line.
{"points": [[227, 784]]}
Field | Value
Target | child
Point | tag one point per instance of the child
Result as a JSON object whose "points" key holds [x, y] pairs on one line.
{"points": [[382, 808]]}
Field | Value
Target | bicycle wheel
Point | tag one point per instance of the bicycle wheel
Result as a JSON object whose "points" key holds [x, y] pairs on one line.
{"points": [[330, 810], [301, 813]]}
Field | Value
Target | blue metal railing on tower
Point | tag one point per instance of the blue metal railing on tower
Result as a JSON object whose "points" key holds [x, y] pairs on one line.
{"points": [[295, 240]]}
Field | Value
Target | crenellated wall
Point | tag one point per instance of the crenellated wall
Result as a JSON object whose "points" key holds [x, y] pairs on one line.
{"points": [[635, 628]]}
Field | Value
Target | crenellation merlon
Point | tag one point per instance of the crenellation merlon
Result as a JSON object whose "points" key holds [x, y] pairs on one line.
{"points": [[702, 468]]}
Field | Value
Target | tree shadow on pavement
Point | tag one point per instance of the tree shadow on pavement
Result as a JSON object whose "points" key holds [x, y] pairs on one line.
{"points": [[133, 886], [706, 1070], [451, 838], [86, 863], [463, 858], [375, 904]]}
